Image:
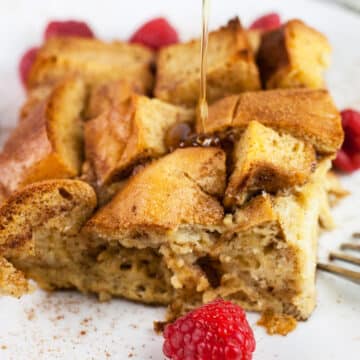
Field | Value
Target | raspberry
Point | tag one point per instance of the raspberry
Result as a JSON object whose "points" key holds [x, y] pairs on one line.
{"points": [[348, 158], [26, 62], [351, 119], [355, 159], [344, 162], [267, 22], [216, 331], [351, 126], [155, 34], [68, 28]]}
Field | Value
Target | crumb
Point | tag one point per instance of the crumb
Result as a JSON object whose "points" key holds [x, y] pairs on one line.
{"points": [[130, 355], [277, 323], [82, 332], [134, 326], [3, 347], [60, 317], [107, 354], [159, 326], [30, 313], [356, 235]]}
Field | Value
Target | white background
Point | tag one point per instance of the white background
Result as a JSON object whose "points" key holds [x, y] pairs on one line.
{"points": [[72, 326]]}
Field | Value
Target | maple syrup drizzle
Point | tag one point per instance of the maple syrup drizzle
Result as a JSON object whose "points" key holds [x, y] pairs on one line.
{"points": [[203, 106], [181, 135]]}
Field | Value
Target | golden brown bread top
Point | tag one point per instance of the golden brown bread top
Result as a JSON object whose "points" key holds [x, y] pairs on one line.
{"points": [[306, 114], [179, 188], [45, 203], [294, 55], [107, 96], [97, 62], [230, 67], [129, 133], [59, 205], [267, 161], [46, 143]]}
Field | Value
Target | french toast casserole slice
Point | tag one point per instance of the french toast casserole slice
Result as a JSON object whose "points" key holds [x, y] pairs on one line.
{"points": [[102, 204]]}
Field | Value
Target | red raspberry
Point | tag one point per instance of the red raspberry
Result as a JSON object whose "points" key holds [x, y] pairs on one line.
{"points": [[344, 162], [351, 119], [68, 28], [351, 126], [26, 62], [155, 34], [355, 159], [216, 331], [267, 22]]}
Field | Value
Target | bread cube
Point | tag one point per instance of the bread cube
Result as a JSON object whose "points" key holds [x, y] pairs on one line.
{"points": [[230, 67], [265, 160], [38, 212], [97, 62], [130, 133], [295, 55], [309, 115], [47, 142]]}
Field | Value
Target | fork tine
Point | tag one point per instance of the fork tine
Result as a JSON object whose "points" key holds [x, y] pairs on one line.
{"points": [[345, 273], [344, 257], [350, 246]]}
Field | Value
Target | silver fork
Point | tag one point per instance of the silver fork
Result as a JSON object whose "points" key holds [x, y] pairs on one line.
{"points": [[343, 256]]}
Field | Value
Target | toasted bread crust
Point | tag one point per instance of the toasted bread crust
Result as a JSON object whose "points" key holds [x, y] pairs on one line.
{"points": [[279, 56], [171, 191], [129, 133], [34, 205], [268, 161], [231, 67], [36, 150], [44, 204], [95, 61], [306, 114]]}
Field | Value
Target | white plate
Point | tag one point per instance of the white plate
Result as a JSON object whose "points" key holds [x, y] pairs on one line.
{"points": [[71, 326]]}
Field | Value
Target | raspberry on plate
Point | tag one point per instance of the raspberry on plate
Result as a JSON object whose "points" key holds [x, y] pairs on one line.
{"points": [[68, 28], [26, 62], [215, 331], [266, 22], [348, 157], [155, 34]]}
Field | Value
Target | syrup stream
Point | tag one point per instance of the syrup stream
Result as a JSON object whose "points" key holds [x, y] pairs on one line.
{"points": [[203, 106]]}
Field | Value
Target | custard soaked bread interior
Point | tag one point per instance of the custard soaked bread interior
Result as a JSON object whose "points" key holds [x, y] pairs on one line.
{"points": [[179, 226]]}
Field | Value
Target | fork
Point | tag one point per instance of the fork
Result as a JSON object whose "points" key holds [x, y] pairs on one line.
{"points": [[343, 256]]}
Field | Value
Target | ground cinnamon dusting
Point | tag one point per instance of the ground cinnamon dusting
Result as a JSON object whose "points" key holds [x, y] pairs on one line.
{"points": [[277, 324], [30, 314]]}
